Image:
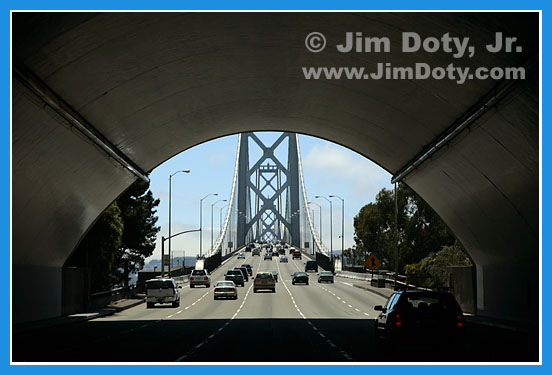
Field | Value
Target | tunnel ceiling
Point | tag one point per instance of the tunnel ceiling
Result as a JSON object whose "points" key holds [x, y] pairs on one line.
{"points": [[154, 84]]}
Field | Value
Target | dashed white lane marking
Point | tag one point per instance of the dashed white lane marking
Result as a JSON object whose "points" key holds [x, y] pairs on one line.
{"points": [[220, 329], [342, 300], [328, 341]]}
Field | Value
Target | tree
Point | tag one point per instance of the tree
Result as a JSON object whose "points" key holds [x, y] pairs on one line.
{"points": [[420, 231], [99, 247], [431, 271], [138, 239], [120, 240]]}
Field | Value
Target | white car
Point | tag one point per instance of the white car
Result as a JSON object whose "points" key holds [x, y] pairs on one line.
{"points": [[162, 291], [241, 256], [200, 277], [225, 289]]}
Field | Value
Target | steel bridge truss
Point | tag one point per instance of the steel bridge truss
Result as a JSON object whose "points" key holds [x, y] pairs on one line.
{"points": [[274, 189]]}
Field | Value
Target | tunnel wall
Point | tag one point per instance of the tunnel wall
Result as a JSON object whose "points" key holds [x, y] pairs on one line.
{"points": [[36, 293], [157, 84]]}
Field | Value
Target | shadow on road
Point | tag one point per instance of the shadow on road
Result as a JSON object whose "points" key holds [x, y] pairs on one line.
{"points": [[255, 340]]}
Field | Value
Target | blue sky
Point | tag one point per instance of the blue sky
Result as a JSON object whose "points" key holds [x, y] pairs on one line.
{"points": [[327, 167]]}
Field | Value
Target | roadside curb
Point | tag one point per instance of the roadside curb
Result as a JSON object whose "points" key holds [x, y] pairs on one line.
{"points": [[115, 308], [371, 290]]}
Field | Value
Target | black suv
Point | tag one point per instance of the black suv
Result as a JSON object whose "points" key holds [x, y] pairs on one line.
{"points": [[236, 276], [420, 317], [311, 265]]}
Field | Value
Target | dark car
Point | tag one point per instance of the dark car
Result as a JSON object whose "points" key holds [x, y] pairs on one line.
{"points": [[249, 269], [420, 318], [244, 271], [300, 278], [267, 256], [311, 265], [236, 276], [296, 255], [275, 253]]}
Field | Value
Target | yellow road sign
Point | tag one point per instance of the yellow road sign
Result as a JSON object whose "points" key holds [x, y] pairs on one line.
{"points": [[373, 262]]}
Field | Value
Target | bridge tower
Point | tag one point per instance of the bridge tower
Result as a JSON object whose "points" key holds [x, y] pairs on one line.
{"points": [[268, 193]]}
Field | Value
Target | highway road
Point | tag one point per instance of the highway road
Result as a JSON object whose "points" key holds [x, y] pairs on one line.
{"points": [[299, 323]]}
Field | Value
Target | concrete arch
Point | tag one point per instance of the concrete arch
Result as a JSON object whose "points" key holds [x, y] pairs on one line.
{"points": [[153, 84]]}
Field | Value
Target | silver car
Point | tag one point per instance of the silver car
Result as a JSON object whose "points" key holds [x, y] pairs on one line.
{"points": [[200, 277], [326, 276], [225, 289]]}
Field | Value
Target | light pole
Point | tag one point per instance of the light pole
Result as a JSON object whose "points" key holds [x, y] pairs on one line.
{"points": [[213, 205], [342, 224], [331, 223], [320, 217], [170, 204], [201, 221]]}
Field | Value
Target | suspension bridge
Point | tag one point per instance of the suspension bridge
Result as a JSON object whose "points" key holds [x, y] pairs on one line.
{"points": [[268, 202]]}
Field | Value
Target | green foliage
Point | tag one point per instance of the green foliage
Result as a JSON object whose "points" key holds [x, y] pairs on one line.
{"points": [[120, 240], [100, 246], [420, 231], [431, 271], [138, 241]]}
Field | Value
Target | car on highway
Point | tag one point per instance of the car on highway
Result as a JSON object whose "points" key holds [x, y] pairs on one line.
{"points": [[256, 252], [267, 256], [275, 253], [244, 271], [200, 277], [296, 255], [300, 278], [225, 289], [249, 269], [283, 259], [241, 256], [162, 291], [326, 276], [311, 265], [275, 274], [264, 280], [427, 317], [236, 276]]}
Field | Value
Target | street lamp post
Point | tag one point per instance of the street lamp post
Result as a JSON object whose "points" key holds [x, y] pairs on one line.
{"points": [[213, 205], [201, 221], [170, 204], [331, 223], [342, 224]]}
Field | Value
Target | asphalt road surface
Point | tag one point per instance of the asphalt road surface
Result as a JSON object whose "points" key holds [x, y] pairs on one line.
{"points": [[299, 323]]}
